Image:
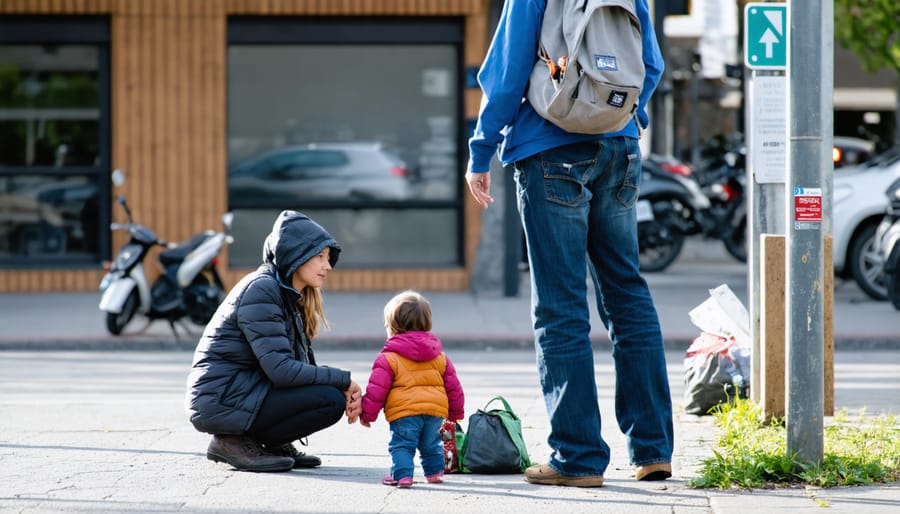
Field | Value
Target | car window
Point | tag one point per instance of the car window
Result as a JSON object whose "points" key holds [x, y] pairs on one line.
{"points": [[325, 158], [309, 164], [282, 167], [260, 168]]}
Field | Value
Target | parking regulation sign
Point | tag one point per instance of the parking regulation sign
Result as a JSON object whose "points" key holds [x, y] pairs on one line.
{"points": [[765, 36], [807, 207]]}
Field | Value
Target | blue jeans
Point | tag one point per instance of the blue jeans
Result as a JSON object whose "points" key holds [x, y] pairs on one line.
{"points": [[411, 433], [576, 204]]}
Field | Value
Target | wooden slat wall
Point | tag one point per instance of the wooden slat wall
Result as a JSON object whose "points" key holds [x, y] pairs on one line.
{"points": [[359, 7], [168, 75], [477, 40], [169, 115], [56, 6]]}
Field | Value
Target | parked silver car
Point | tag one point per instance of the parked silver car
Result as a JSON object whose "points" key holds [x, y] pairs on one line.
{"points": [[859, 205], [319, 171]]}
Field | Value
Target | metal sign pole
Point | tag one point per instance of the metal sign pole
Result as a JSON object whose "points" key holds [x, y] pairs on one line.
{"points": [[765, 93], [810, 123]]}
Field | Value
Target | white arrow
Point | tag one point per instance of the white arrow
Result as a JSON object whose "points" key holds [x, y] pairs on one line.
{"points": [[768, 38]]}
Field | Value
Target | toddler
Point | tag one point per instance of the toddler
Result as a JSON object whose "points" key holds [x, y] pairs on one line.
{"points": [[416, 385]]}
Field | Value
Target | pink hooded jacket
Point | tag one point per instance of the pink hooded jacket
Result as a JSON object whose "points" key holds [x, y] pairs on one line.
{"points": [[425, 381]]}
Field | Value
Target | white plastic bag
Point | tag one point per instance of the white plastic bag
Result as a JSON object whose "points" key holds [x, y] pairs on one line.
{"points": [[717, 364], [724, 315]]}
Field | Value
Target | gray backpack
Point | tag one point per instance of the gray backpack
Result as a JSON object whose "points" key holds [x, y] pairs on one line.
{"points": [[590, 68]]}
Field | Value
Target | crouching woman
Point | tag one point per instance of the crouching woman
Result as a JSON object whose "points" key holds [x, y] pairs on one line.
{"points": [[255, 384]]}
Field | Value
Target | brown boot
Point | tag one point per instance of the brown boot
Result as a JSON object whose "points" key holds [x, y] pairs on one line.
{"points": [[301, 460], [245, 454]]}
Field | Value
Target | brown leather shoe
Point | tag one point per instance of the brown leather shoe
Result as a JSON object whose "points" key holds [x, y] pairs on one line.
{"points": [[301, 460], [656, 471], [245, 454], [545, 475]]}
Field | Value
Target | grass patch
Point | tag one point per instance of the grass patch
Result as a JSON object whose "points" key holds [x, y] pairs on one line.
{"points": [[753, 455]]}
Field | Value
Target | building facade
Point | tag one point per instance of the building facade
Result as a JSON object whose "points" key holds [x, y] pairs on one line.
{"points": [[355, 112]]}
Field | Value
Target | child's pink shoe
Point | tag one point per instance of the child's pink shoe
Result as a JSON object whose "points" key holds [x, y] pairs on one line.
{"points": [[405, 482], [437, 478]]}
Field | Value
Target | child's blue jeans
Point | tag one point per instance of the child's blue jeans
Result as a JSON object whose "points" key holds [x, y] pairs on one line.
{"points": [[411, 433]]}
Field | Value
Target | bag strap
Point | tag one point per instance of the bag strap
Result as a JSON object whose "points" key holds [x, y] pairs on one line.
{"points": [[506, 406]]}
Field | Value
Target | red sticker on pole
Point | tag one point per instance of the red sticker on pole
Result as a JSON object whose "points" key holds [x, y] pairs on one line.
{"points": [[807, 204]]}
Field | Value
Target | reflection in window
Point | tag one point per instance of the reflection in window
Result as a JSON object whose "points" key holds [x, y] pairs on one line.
{"points": [[364, 135], [315, 172], [46, 216], [49, 114], [50, 120], [401, 99]]}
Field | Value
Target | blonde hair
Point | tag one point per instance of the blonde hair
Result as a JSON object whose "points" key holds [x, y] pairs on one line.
{"points": [[312, 308], [407, 311]]}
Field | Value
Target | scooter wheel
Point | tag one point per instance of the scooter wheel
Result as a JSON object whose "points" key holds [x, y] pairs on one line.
{"points": [[736, 241], [116, 321], [659, 241]]}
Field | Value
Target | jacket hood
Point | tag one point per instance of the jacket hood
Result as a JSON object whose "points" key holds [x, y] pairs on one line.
{"points": [[295, 239], [414, 345]]}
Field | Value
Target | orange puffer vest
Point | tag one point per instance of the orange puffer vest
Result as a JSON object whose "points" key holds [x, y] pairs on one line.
{"points": [[418, 387]]}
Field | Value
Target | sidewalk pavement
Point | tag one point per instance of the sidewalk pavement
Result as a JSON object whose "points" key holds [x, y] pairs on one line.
{"points": [[104, 431], [461, 319]]}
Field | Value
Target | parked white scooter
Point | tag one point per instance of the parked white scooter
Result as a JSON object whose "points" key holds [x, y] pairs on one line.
{"points": [[188, 287]]}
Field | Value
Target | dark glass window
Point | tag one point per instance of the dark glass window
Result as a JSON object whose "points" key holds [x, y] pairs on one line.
{"points": [[54, 143], [356, 122]]}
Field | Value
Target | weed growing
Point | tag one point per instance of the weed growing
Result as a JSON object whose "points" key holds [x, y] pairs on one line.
{"points": [[752, 454]]}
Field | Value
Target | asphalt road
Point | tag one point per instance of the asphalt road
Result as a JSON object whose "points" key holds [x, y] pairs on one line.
{"points": [[105, 431]]}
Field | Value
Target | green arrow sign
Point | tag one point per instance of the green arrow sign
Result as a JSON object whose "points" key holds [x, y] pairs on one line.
{"points": [[765, 36]]}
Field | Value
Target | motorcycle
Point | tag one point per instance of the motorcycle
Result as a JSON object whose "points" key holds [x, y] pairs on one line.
{"points": [[887, 241], [723, 180], [188, 287], [677, 202], [666, 211]]}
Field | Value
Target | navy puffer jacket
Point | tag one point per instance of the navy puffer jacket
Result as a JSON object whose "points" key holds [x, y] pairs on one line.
{"points": [[255, 341]]}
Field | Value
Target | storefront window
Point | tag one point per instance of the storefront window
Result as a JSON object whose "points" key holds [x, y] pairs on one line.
{"points": [[52, 149], [360, 132]]}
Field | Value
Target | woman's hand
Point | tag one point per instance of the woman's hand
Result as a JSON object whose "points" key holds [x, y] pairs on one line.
{"points": [[353, 394]]}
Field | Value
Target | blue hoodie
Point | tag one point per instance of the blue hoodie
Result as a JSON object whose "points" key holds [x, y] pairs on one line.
{"points": [[507, 118]]}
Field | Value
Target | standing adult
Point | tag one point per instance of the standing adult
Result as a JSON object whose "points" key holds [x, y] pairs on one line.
{"points": [[255, 384], [576, 196]]}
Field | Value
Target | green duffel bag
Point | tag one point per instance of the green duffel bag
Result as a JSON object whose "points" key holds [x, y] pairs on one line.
{"points": [[493, 443]]}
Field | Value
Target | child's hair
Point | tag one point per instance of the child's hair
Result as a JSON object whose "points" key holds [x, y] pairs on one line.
{"points": [[407, 311]]}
